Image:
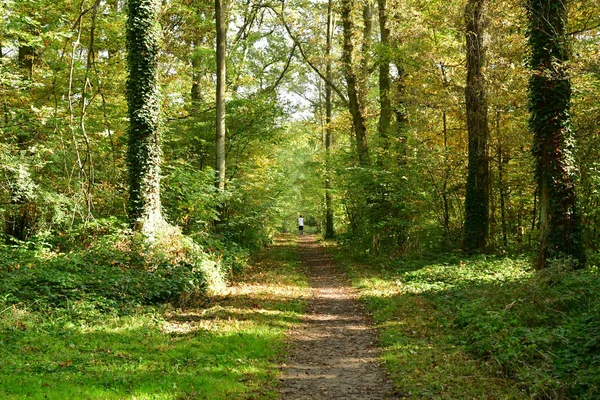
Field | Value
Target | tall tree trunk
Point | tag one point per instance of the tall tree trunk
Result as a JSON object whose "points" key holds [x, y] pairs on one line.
{"points": [[220, 16], [549, 104], [534, 216], [385, 114], [143, 153], [196, 91], [329, 227], [477, 193], [445, 200], [365, 55], [503, 160], [355, 108]]}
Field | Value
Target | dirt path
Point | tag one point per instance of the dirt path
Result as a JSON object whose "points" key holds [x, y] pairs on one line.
{"points": [[333, 353]]}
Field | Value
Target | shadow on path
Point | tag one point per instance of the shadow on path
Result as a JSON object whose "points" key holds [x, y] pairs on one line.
{"points": [[333, 352]]}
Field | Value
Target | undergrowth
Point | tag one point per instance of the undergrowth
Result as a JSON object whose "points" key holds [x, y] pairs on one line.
{"points": [[450, 324], [106, 323], [110, 271]]}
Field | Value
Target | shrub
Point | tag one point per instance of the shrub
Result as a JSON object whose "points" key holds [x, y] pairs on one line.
{"points": [[117, 270]]}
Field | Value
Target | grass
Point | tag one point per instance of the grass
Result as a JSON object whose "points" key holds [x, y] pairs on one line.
{"points": [[414, 304], [227, 350]]}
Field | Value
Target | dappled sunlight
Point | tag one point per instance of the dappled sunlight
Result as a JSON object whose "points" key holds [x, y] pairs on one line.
{"points": [[377, 287], [227, 349], [266, 291], [264, 298], [334, 353], [439, 277], [227, 319], [410, 301]]}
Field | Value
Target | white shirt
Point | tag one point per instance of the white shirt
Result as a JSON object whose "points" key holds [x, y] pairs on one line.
{"points": [[300, 221]]}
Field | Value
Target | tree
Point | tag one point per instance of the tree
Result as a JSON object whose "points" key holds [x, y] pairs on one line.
{"points": [[221, 23], [354, 99], [549, 104], [143, 153], [477, 193], [329, 227], [384, 76]]}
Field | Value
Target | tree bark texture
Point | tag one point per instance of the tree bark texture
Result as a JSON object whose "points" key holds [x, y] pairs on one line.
{"points": [[366, 55], [196, 90], [385, 115], [329, 215], [358, 118], [143, 153], [503, 160], [221, 23], [477, 191], [549, 104]]}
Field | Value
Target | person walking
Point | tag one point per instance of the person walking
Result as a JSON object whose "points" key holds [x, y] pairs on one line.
{"points": [[301, 225]]}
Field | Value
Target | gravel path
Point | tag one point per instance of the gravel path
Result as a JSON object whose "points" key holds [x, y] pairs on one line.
{"points": [[333, 353]]}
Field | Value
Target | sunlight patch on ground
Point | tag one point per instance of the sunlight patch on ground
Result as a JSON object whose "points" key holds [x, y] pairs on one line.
{"points": [[227, 349]]}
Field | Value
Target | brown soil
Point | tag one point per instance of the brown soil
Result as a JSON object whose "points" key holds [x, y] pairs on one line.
{"points": [[333, 353]]}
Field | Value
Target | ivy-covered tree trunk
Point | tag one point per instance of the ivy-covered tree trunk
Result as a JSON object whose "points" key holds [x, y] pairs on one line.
{"points": [[355, 108], [220, 16], [477, 193], [549, 104], [329, 227], [143, 153]]}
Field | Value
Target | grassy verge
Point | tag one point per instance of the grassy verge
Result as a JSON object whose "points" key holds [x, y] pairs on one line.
{"points": [[453, 327], [229, 349]]}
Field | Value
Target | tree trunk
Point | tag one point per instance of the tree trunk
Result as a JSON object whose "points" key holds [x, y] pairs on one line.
{"points": [[534, 216], [365, 54], [358, 118], [196, 91], [220, 16], [549, 104], [502, 162], [477, 193], [329, 227], [385, 114], [445, 200], [143, 153]]}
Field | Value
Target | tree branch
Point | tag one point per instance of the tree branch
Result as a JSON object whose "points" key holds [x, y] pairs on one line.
{"points": [[304, 56], [283, 72]]}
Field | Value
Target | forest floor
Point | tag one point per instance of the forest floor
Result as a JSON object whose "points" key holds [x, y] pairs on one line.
{"points": [[333, 353], [413, 310], [229, 348], [310, 319]]}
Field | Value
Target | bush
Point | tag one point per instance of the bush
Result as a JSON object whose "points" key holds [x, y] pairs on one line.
{"points": [[116, 270], [545, 331]]}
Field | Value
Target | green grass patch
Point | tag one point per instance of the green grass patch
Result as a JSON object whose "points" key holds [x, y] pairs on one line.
{"points": [[453, 327], [228, 349]]}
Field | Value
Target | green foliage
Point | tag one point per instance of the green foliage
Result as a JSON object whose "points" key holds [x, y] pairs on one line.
{"points": [[538, 329], [229, 349], [104, 275], [542, 331], [189, 197], [413, 304]]}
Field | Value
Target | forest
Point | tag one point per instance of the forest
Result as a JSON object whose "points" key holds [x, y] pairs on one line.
{"points": [[155, 156]]}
